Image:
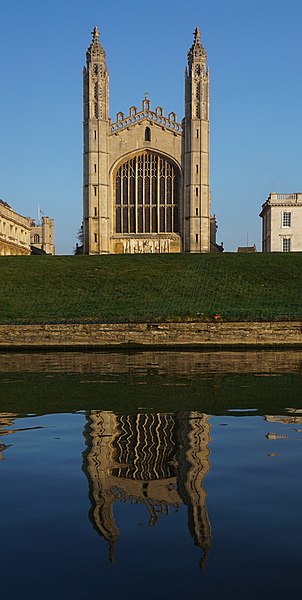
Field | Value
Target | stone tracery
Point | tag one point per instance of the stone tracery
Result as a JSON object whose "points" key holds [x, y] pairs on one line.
{"points": [[147, 195]]}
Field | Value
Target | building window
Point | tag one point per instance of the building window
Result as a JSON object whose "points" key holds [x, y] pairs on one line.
{"points": [[147, 134], [95, 237], [94, 134], [36, 239], [95, 191], [197, 133], [196, 168], [196, 237], [196, 212], [286, 244], [95, 168], [286, 219], [95, 211], [146, 195], [196, 191]]}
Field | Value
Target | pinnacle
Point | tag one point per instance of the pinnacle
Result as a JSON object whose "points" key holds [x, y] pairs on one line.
{"points": [[95, 34], [197, 34]]}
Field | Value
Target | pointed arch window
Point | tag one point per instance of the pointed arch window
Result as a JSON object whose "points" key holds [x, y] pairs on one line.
{"points": [[147, 134], [147, 195]]}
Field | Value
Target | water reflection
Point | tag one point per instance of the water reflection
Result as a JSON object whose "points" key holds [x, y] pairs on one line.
{"points": [[287, 420], [152, 467], [6, 423], [157, 460], [182, 363]]}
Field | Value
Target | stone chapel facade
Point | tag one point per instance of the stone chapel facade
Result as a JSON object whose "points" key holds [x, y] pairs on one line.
{"points": [[146, 175]]}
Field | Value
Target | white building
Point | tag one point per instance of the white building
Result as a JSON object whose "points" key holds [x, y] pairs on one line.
{"points": [[282, 223]]}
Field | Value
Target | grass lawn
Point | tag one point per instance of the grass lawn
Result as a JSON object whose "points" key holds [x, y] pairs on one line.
{"points": [[118, 289]]}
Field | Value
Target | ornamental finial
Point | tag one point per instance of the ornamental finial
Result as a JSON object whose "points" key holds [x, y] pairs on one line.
{"points": [[197, 34], [95, 34]]}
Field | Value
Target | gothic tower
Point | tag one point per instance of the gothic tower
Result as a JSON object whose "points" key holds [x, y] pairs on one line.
{"points": [[196, 151], [146, 174], [96, 139]]}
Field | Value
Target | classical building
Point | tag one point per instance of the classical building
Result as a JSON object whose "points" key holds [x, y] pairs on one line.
{"points": [[14, 232], [146, 175], [282, 223], [42, 236], [22, 235]]}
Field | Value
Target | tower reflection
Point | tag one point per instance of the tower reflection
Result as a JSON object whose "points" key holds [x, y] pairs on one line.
{"points": [[158, 460], [7, 421]]}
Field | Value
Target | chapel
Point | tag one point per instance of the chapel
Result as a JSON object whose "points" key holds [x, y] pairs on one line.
{"points": [[146, 173]]}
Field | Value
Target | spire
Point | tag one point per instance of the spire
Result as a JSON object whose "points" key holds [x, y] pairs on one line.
{"points": [[95, 34], [95, 52], [197, 34], [197, 53]]}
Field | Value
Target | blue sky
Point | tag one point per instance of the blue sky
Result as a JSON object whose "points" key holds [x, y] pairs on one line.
{"points": [[254, 54]]}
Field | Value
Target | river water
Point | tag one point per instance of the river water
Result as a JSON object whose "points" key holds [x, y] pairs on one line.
{"points": [[151, 475]]}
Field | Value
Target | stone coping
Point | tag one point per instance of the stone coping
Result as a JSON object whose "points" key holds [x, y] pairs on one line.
{"points": [[218, 335]]}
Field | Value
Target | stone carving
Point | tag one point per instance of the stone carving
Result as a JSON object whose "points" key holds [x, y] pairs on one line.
{"points": [[197, 52], [146, 246], [157, 117]]}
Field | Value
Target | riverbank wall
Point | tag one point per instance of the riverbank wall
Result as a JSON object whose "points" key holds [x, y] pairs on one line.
{"points": [[210, 335]]}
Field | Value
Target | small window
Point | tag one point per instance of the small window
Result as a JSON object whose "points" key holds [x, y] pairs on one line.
{"points": [[196, 238], [95, 168], [95, 237], [36, 239], [95, 191], [286, 219], [197, 133], [196, 212], [147, 134], [196, 191], [286, 244], [95, 211], [94, 134], [196, 168]]}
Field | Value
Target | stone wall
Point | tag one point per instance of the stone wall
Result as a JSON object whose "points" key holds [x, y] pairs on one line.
{"points": [[157, 335]]}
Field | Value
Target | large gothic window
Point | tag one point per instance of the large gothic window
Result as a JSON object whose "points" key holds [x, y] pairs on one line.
{"points": [[146, 195]]}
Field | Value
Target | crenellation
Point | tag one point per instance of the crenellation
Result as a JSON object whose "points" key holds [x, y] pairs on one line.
{"points": [[136, 117]]}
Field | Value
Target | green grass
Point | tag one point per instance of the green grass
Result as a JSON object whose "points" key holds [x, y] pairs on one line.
{"points": [[117, 289]]}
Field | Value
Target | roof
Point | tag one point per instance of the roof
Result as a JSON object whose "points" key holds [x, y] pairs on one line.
{"points": [[4, 203], [247, 249]]}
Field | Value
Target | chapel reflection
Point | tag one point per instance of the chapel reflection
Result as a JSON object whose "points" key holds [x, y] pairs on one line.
{"points": [[158, 460]]}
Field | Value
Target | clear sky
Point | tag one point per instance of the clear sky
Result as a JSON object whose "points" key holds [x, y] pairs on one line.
{"points": [[254, 53]]}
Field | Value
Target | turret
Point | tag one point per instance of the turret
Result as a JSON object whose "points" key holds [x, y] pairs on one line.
{"points": [[196, 150], [96, 131]]}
